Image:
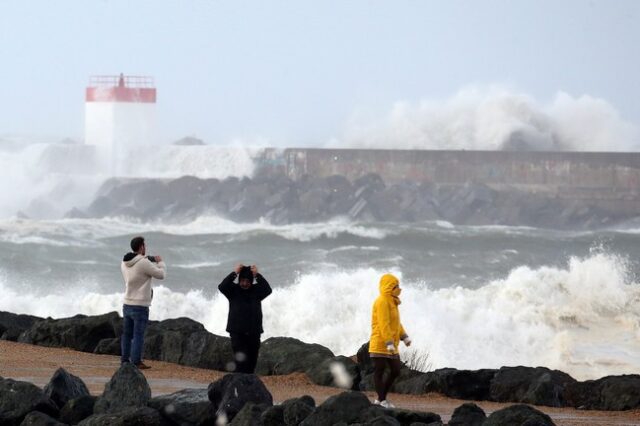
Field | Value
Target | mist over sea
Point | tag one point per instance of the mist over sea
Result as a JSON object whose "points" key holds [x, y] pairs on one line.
{"points": [[473, 297]]}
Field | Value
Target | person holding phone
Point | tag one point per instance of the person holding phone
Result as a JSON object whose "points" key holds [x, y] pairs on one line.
{"points": [[138, 270]]}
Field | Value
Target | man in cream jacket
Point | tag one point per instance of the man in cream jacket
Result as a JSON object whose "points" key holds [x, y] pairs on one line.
{"points": [[137, 270]]}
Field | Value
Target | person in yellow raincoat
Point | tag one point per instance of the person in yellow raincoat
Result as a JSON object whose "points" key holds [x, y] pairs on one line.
{"points": [[386, 333]]}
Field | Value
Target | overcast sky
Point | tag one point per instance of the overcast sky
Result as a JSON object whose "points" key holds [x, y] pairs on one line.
{"points": [[294, 72]]}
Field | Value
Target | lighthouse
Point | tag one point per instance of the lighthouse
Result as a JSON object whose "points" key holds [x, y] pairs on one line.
{"points": [[119, 118]]}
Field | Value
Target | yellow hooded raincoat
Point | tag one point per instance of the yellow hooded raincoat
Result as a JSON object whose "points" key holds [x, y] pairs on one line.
{"points": [[385, 318]]}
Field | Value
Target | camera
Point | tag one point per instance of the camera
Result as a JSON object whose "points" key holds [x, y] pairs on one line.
{"points": [[152, 259]]}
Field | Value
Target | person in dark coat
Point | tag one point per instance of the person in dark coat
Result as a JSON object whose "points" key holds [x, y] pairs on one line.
{"points": [[244, 323]]}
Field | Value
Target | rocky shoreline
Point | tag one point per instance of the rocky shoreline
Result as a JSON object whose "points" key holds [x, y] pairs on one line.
{"points": [[235, 399], [280, 200], [184, 341]]}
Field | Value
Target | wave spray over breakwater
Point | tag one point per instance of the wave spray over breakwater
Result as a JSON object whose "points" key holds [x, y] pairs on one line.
{"points": [[496, 118]]}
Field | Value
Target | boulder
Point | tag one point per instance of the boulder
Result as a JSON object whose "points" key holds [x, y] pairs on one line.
{"points": [[188, 406], [127, 388], [364, 360], [166, 340], [249, 415], [338, 371], [81, 332], [296, 411], [206, 350], [619, 393], [12, 325], [403, 417], [468, 414], [273, 416], [229, 394], [286, 355], [613, 393], [461, 384], [36, 418], [17, 399], [64, 386], [108, 347], [382, 421], [538, 386], [345, 407], [133, 416], [519, 414], [78, 409]]}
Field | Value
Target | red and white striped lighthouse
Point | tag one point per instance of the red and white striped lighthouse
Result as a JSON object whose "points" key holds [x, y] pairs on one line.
{"points": [[119, 117]]}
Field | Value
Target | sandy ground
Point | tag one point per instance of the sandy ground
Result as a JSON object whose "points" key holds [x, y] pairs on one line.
{"points": [[37, 364]]}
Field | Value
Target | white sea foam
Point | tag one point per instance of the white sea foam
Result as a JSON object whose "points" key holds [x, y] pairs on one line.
{"points": [[203, 161], [86, 232], [495, 118], [582, 319], [46, 180]]}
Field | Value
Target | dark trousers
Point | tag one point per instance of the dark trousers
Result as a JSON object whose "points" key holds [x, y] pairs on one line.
{"points": [[383, 385], [245, 351], [135, 319]]}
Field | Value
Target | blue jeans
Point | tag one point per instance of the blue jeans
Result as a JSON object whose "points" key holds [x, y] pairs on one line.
{"points": [[135, 322]]}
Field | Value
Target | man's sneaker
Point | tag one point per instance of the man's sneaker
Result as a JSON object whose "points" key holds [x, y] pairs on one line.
{"points": [[376, 402], [142, 366], [387, 404]]}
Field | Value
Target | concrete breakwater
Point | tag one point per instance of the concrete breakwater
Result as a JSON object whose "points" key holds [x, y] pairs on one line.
{"points": [[565, 190], [609, 180]]}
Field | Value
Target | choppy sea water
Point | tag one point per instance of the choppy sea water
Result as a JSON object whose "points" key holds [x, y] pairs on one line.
{"points": [[473, 297]]}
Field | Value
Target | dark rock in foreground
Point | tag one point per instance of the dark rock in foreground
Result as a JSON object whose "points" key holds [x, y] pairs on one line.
{"points": [[78, 409], [137, 416], [250, 415], [345, 407], [229, 394], [36, 418], [64, 386], [468, 414], [518, 415], [17, 399], [188, 406], [296, 409], [127, 388]]}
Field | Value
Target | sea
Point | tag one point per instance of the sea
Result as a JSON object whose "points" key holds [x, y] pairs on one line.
{"points": [[472, 296]]}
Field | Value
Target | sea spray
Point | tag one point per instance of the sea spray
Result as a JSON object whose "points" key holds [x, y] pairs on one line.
{"points": [[582, 319], [495, 118], [46, 180]]}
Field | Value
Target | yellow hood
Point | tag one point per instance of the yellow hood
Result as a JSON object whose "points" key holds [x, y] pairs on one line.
{"points": [[387, 283]]}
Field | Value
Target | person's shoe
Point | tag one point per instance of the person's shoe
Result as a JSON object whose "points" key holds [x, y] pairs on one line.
{"points": [[376, 402], [142, 366], [387, 404]]}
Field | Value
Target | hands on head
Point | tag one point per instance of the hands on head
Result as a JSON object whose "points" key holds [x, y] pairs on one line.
{"points": [[239, 266]]}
